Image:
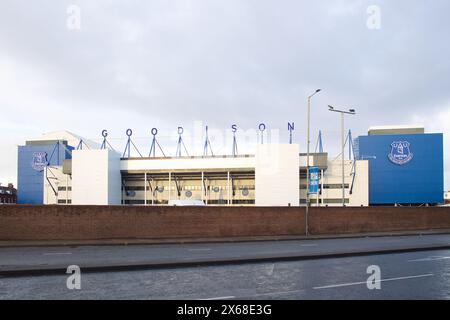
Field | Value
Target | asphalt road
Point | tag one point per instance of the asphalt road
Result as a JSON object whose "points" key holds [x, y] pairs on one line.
{"points": [[413, 275], [58, 258]]}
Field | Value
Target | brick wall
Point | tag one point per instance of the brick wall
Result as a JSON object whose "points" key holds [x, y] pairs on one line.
{"points": [[119, 222], [21, 222], [349, 220]]}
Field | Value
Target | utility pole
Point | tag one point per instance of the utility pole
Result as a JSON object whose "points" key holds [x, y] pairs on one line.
{"points": [[307, 159], [342, 112]]}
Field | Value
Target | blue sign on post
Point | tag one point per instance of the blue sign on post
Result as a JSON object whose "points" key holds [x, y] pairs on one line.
{"points": [[313, 179]]}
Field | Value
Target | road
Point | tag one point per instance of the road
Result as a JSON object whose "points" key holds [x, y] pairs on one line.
{"points": [[105, 258], [327, 273], [412, 275]]}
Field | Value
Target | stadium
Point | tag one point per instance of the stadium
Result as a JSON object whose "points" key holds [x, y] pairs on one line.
{"points": [[397, 165]]}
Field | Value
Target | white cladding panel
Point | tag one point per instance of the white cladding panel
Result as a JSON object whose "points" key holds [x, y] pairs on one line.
{"points": [[114, 179], [360, 191], [96, 178], [277, 175], [332, 182], [198, 163], [56, 186]]}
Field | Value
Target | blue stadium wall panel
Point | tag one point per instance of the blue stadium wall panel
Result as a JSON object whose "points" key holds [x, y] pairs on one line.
{"points": [[30, 182], [416, 178]]}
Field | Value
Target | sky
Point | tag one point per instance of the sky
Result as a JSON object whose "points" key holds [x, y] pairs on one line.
{"points": [[85, 66]]}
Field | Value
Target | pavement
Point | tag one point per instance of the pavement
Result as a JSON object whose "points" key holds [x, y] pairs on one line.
{"points": [[131, 241], [40, 260], [407, 275]]}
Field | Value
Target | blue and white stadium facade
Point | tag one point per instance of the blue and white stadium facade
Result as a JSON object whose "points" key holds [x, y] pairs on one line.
{"points": [[33, 160], [406, 165], [390, 166]]}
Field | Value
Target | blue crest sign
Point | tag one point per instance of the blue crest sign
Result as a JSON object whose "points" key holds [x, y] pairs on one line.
{"points": [[400, 152], [39, 161]]}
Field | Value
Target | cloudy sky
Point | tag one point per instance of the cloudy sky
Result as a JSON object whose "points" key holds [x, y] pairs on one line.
{"points": [[165, 63]]}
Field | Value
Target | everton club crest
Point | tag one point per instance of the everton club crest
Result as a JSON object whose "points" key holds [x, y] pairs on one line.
{"points": [[400, 152], [39, 161]]}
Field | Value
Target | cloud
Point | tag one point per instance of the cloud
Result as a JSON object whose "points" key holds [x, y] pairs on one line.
{"points": [[166, 63], [438, 122]]}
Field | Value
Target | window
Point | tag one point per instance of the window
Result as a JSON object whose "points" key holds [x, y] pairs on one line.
{"points": [[335, 186], [134, 202], [335, 201], [136, 188]]}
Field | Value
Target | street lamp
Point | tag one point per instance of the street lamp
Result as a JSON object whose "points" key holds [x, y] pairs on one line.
{"points": [[307, 158], [342, 112]]}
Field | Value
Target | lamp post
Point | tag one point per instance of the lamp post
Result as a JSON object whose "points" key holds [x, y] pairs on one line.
{"points": [[342, 112], [307, 158]]}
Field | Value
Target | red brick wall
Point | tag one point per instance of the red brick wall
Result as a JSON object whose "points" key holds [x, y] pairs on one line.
{"points": [[21, 222], [119, 222], [377, 219]]}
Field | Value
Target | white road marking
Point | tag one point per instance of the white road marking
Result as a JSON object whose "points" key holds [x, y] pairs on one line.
{"points": [[270, 269], [429, 259], [220, 298], [57, 253], [275, 293], [364, 282], [200, 249], [309, 245]]}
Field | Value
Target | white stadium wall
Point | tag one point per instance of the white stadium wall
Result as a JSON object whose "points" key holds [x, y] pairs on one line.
{"points": [[356, 181], [57, 186], [96, 178], [360, 190], [277, 175], [187, 163]]}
